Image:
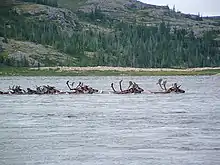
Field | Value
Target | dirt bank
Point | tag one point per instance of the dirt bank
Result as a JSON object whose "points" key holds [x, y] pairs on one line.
{"points": [[121, 69]]}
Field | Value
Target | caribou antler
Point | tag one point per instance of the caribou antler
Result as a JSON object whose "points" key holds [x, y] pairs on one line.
{"points": [[159, 82], [175, 86], [79, 85], [120, 85], [72, 84], [135, 85], [164, 85], [76, 88], [130, 84], [112, 85], [67, 83]]}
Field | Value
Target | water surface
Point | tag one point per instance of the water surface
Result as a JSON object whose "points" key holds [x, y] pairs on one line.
{"points": [[111, 129]]}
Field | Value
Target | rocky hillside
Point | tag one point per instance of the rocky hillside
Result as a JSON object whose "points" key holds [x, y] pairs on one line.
{"points": [[133, 11], [32, 54], [106, 32]]}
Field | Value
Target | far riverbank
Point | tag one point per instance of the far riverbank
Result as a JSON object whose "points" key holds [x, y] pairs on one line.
{"points": [[106, 71]]}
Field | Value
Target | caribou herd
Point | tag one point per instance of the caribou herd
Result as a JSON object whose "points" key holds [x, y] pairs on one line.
{"points": [[81, 88]]}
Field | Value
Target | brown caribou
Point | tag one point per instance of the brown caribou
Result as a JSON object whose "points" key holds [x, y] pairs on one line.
{"points": [[3, 93], [45, 89], [81, 89], [16, 90], [132, 88], [173, 89]]}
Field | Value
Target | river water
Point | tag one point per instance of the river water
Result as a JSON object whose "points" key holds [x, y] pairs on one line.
{"points": [[138, 129]]}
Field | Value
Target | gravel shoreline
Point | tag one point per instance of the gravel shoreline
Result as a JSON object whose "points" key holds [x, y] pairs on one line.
{"points": [[124, 69]]}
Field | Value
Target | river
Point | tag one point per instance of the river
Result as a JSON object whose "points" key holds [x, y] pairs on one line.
{"points": [[108, 129]]}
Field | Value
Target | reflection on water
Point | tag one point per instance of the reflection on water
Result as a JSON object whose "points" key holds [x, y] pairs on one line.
{"points": [[111, 129]]}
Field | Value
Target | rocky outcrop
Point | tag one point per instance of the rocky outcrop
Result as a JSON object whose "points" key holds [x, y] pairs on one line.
{"points": [[64, 18]]}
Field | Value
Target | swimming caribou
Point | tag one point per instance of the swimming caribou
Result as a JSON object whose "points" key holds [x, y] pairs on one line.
{"points": [[85, 89], [81, 88], [132, 88], [45, 89], [173, 89]]}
